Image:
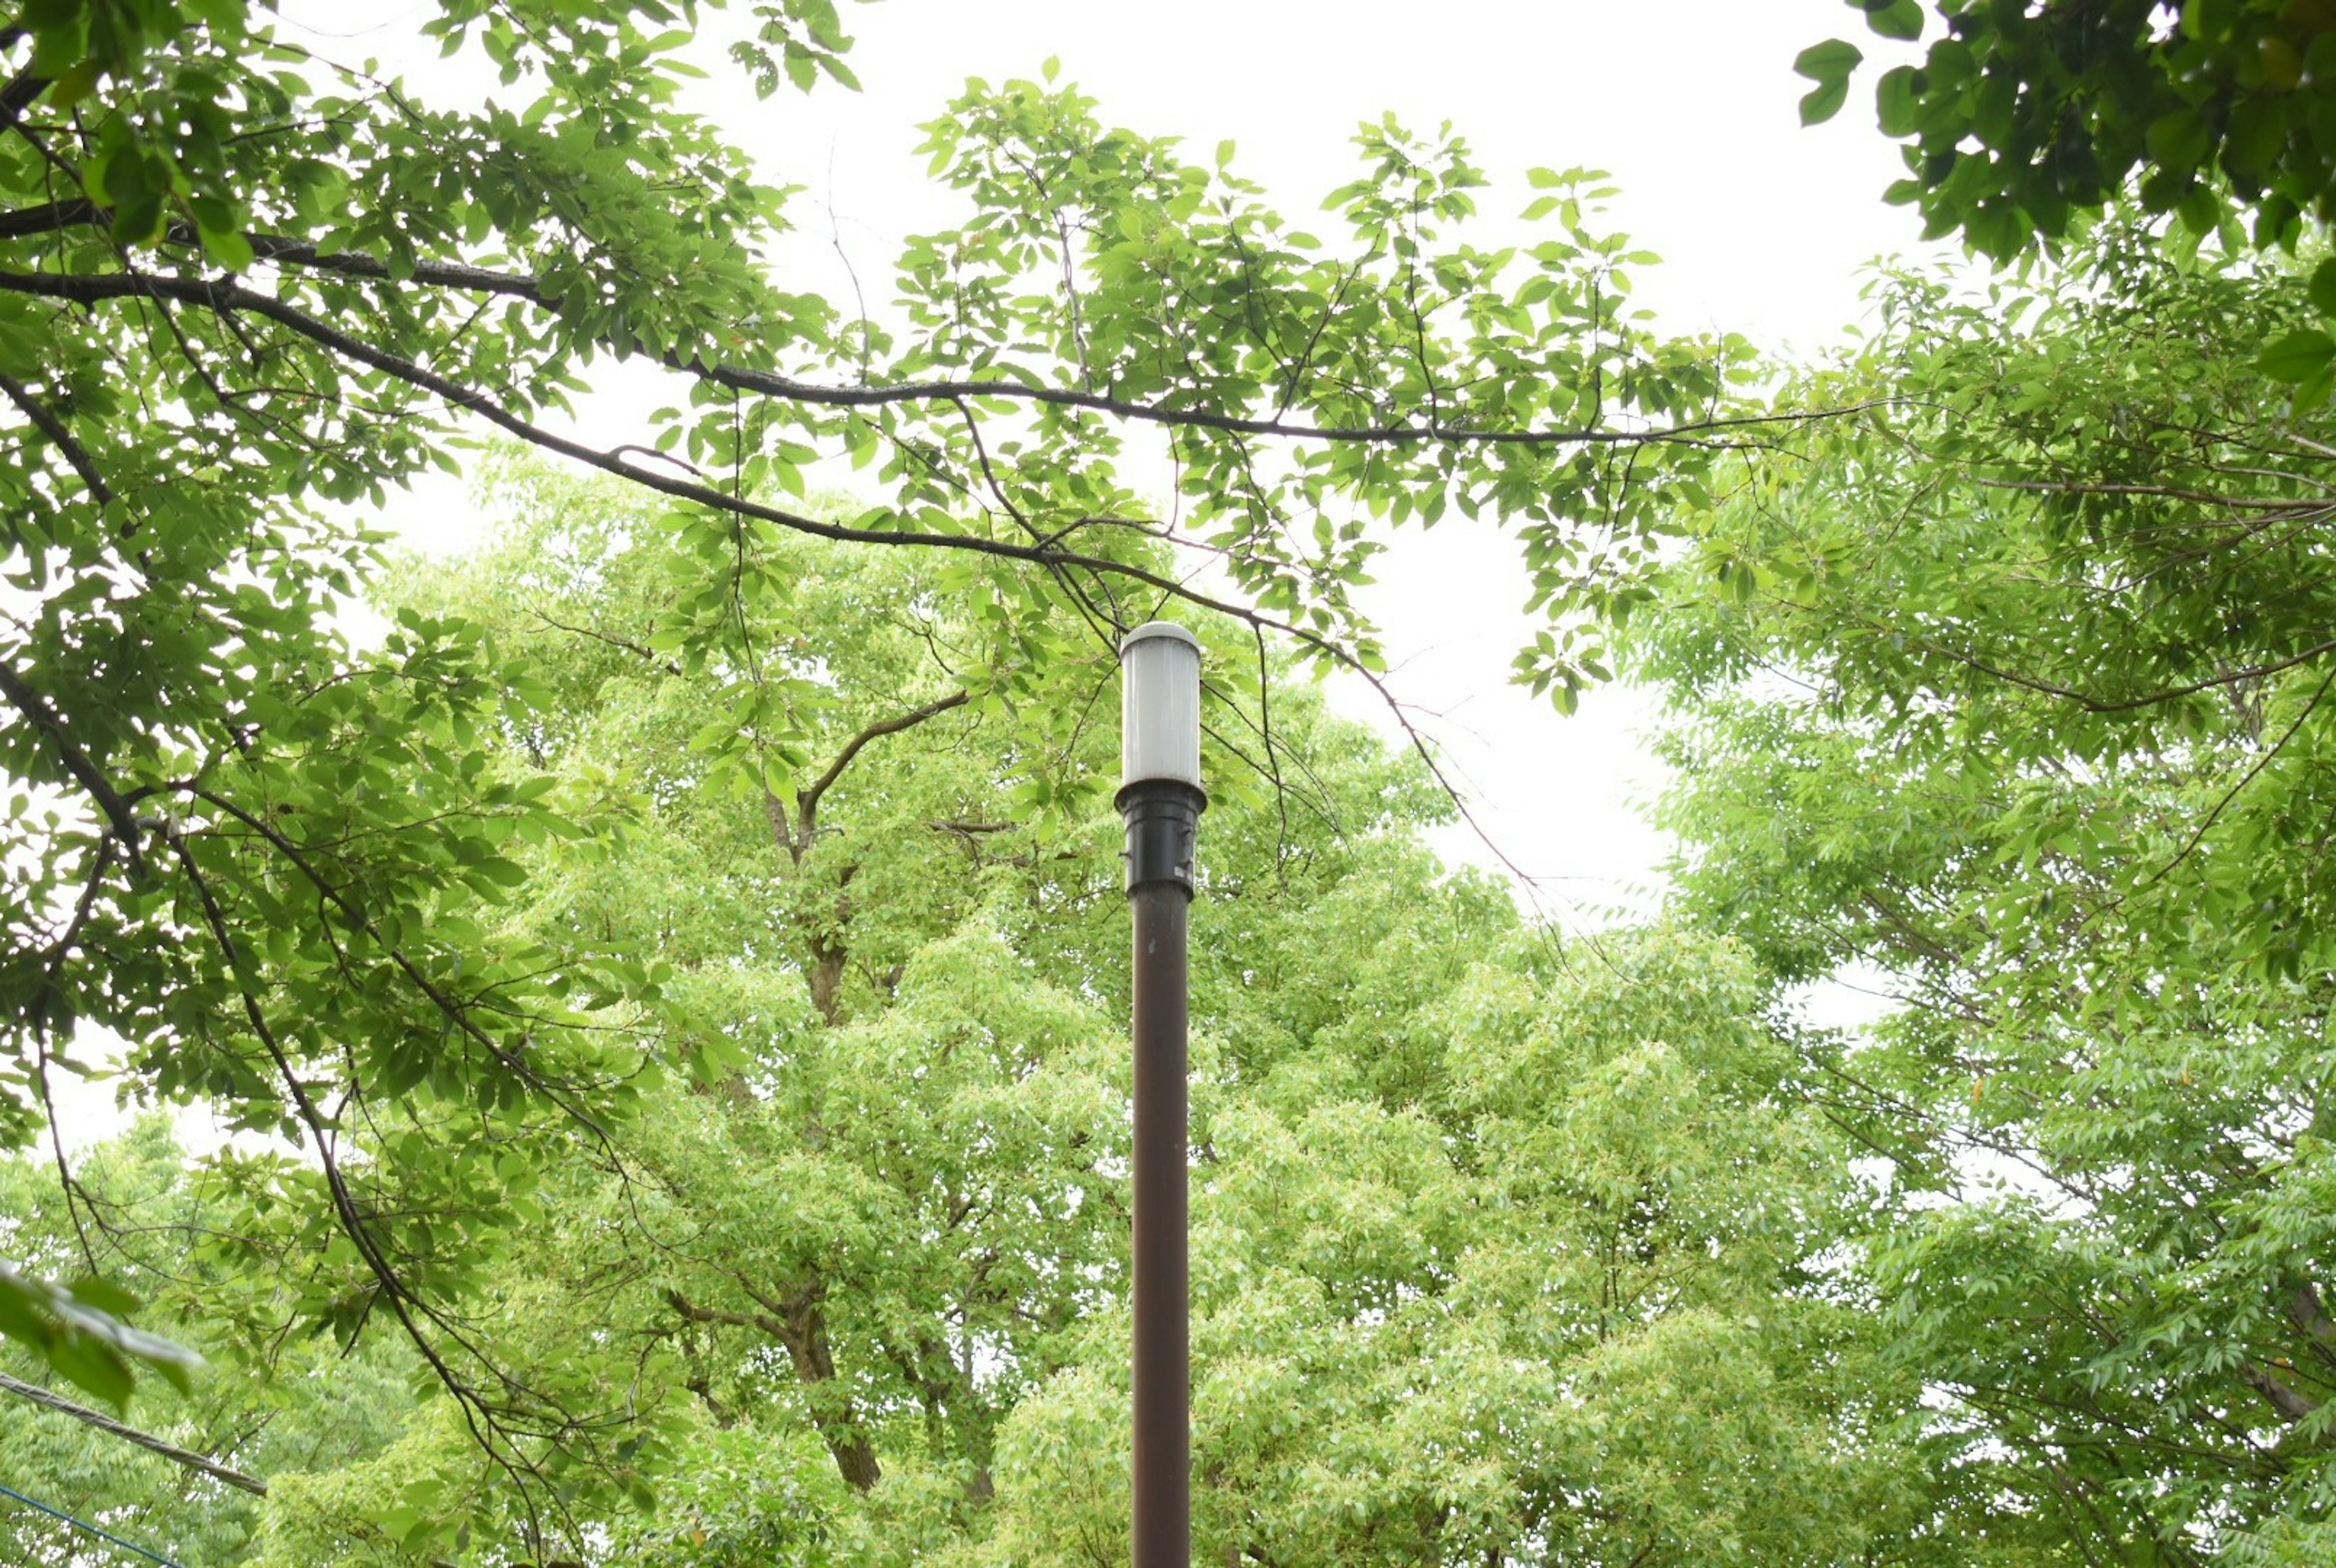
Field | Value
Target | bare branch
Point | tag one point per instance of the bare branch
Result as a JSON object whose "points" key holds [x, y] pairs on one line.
{"points": [[807, 805], [612, 640], [128, 1434]]}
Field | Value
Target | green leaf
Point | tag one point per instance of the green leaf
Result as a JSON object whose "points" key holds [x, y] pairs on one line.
{"points": [[2297, 357], [1822, 103], [104, 1295], [95, 1366], [138, 221], [2323, 287], [1896, 102], [1893, 18], [1831, 61], [2178, 140], [228, 248], [1829, 66], [1996, 229], [76, 83]]}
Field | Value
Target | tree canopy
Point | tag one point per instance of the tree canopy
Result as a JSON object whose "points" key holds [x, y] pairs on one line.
{"points": [[853, 1264], [248, 288], [2016, 693], [657, 983]]}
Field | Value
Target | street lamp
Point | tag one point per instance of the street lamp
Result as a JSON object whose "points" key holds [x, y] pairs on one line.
{"points": [[1160, 800]]}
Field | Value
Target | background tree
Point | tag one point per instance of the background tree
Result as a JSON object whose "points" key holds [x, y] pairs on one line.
{"points": [[1506, 1247], [2017, 693]]}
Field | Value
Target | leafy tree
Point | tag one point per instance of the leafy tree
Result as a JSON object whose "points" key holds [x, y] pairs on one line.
{"points": [[1564, 1308], [2016, 692], [1503, 1249], [245, 287]]}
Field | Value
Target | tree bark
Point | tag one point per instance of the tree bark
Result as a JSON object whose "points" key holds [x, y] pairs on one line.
{"points": [[795, 1320], [2296, 1407]]}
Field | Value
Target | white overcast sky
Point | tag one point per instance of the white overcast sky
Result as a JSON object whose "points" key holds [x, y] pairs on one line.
{"points": [[1764, 226]]}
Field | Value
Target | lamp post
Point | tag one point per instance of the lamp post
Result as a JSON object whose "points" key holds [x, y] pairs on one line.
{"points": [[1161, 801]]}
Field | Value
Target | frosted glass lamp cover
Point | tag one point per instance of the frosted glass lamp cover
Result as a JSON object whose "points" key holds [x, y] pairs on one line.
{"points": [[1160, 708]]}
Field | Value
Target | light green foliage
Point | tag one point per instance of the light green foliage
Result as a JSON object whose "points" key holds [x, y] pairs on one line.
{"points": [[144, 1217], [739, 1495], [1500, 1248], [2015, 689], [1561, 1308]]}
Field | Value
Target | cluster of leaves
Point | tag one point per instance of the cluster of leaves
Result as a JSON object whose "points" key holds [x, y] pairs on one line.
{"points": [[2015, 692], [81, 1330], [2022, 118]]}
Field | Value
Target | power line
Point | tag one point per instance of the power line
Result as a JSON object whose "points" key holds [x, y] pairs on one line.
{"points": [[86, 1525], [172, 1451]]}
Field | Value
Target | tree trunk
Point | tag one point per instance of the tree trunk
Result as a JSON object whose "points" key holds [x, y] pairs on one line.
{"points": [[807, 1347]]}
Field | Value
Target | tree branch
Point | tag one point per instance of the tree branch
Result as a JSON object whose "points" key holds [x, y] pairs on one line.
{"points": [[740, 379], [402, 1301], [694, 1313], [2092, 704], [101, 792], [2296, 1407], [107, 1423], [807, 804], [50, 217], [613, 640], [55, 429]]}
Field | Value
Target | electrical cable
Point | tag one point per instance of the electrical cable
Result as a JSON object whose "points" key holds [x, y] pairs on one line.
{"points": [[86, 1525]]}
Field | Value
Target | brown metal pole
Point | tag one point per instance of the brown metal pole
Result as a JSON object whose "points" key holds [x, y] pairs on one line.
{"points": [[1161, 801], [1163, 1534]]}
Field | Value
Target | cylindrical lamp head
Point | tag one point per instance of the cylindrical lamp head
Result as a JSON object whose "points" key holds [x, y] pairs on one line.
{"points": [[1160, 714]]}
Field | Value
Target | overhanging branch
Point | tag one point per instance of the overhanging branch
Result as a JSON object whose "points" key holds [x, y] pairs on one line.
{"points": [[128, 1434], [226, 297], [288, 252]]}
